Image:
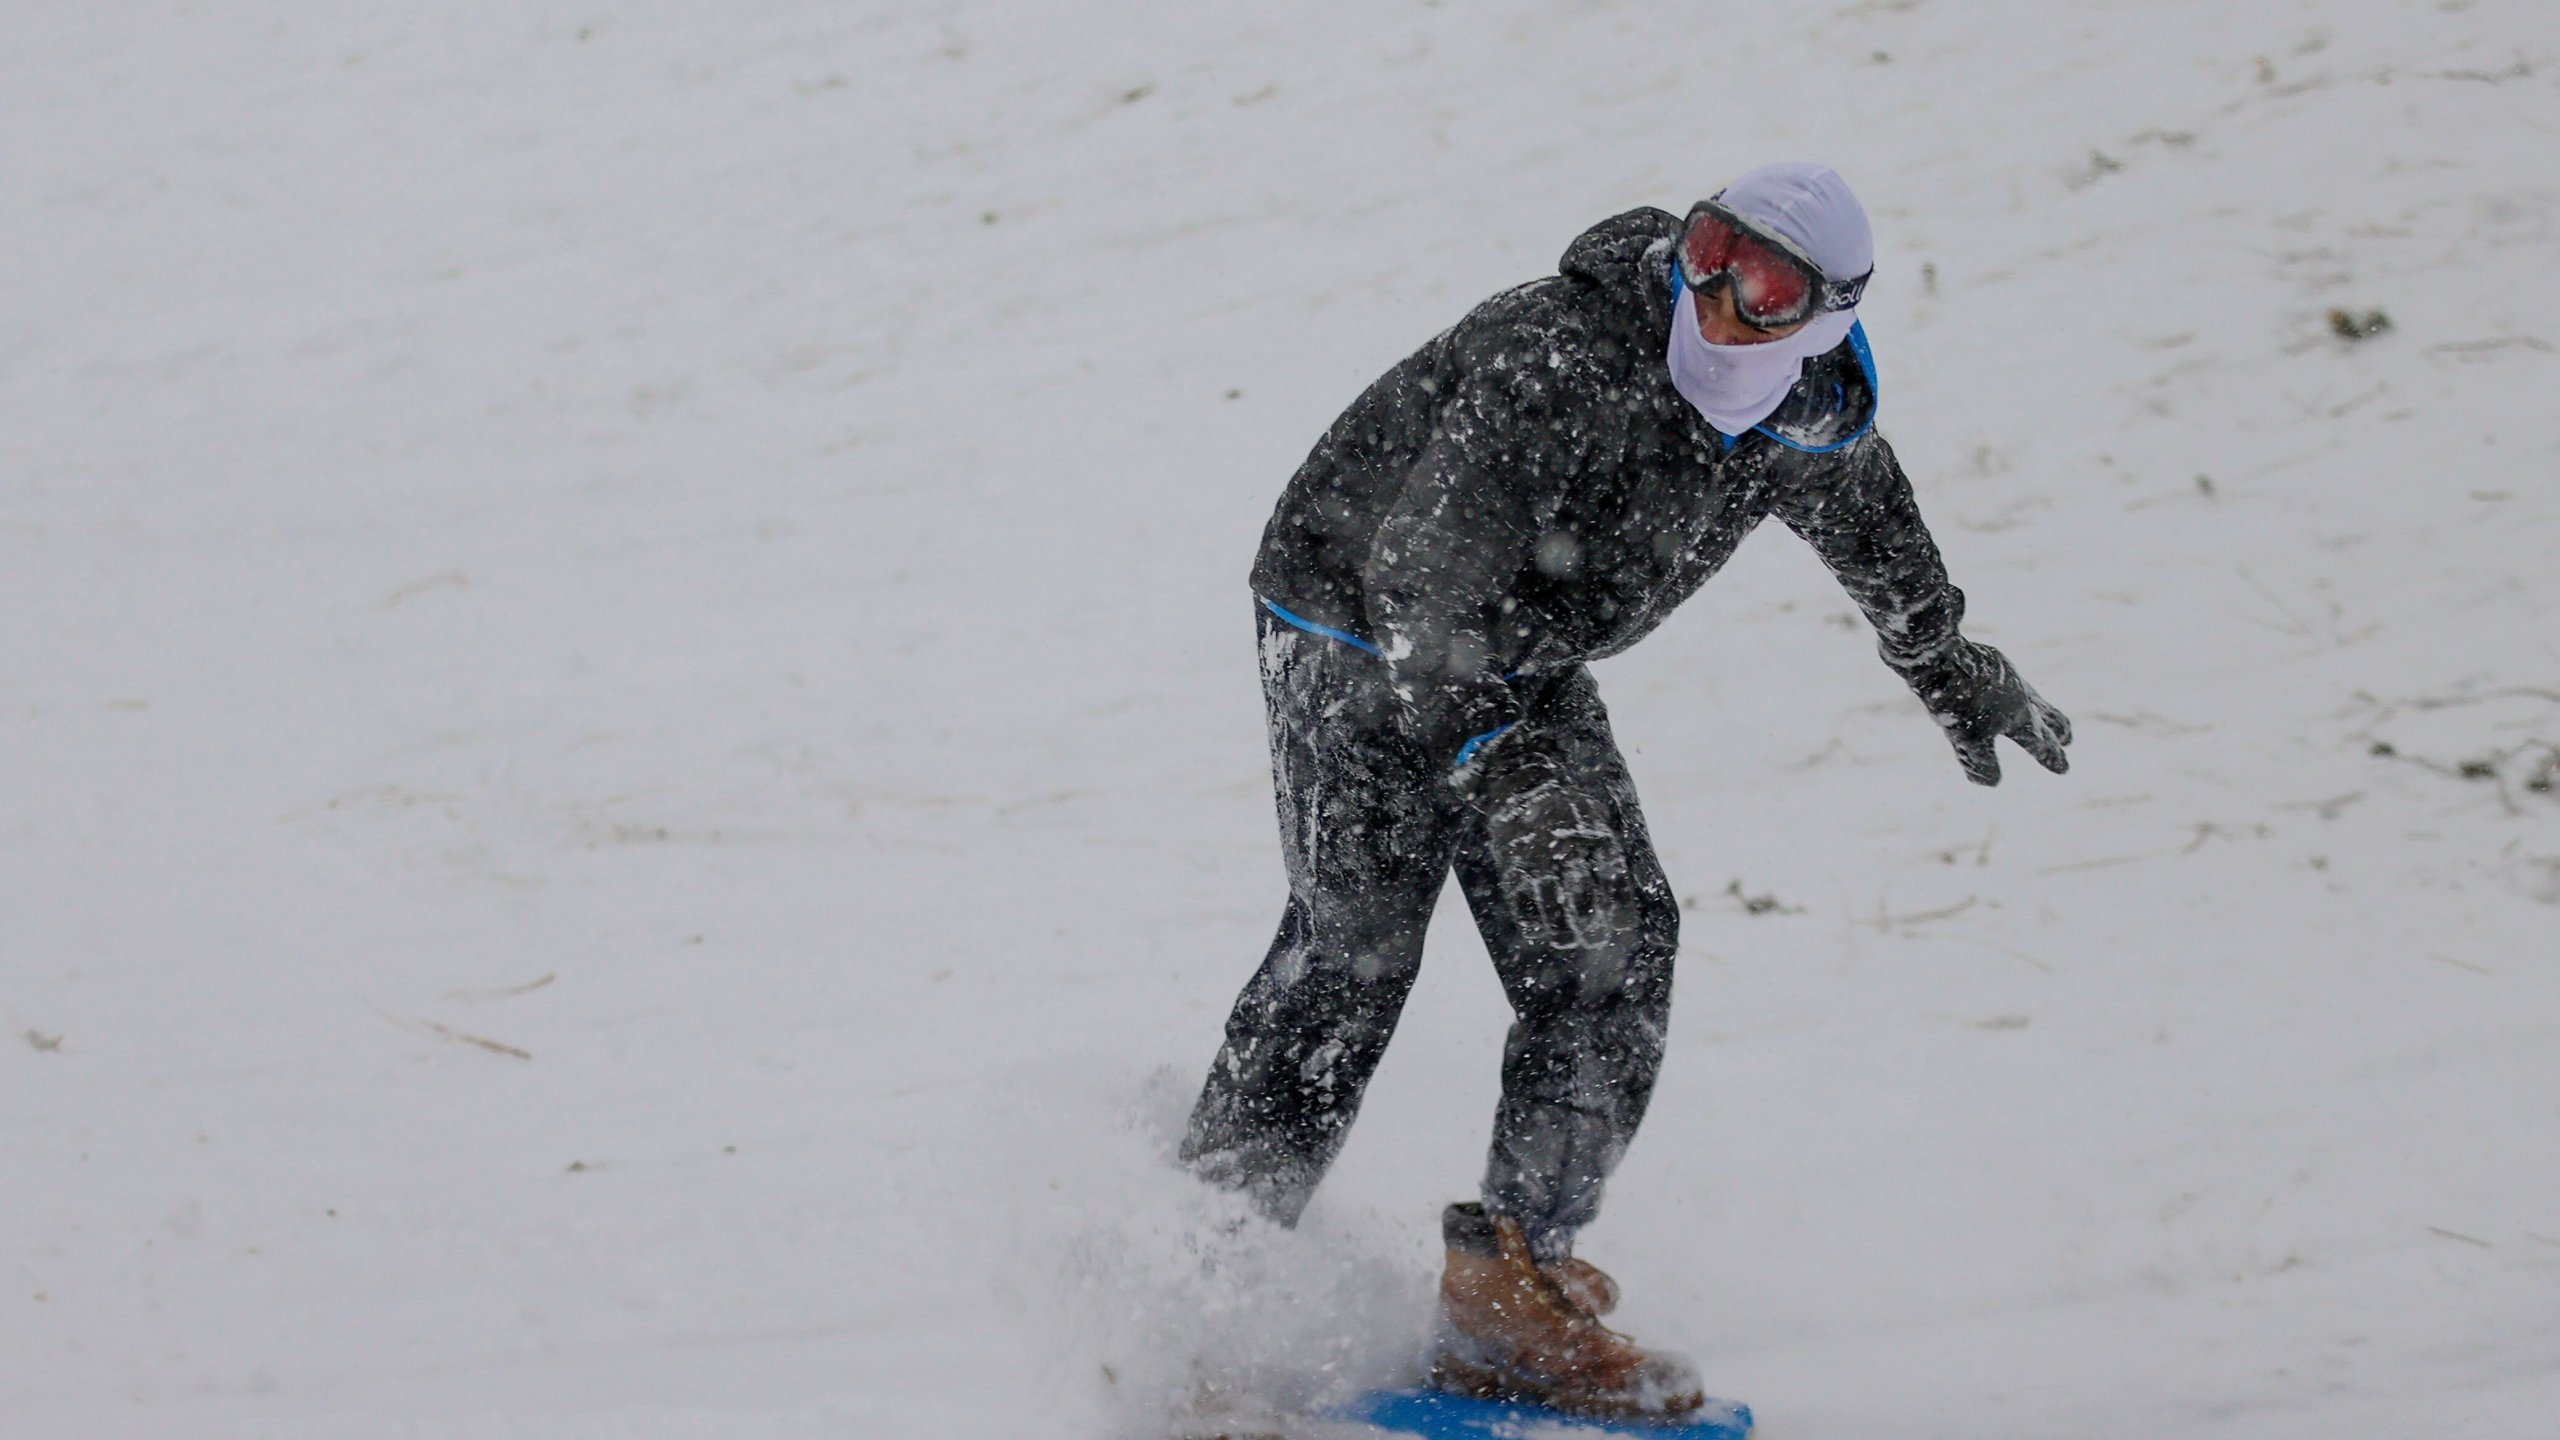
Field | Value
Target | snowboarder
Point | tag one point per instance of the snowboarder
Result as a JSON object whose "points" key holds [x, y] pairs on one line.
{"points": [[1534, 489]]}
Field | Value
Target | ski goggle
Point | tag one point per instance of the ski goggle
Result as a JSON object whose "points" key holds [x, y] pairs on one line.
{"points": [[1774, 283]]}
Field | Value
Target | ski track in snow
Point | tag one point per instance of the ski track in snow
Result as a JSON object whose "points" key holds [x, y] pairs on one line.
{"points": [[634, 785]]}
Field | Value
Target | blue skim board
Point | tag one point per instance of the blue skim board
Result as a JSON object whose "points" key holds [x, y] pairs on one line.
{"points": [[1437, 1416]]}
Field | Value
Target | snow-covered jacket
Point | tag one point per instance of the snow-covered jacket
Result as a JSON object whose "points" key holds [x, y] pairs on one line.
{"points": [[1529, 490]]}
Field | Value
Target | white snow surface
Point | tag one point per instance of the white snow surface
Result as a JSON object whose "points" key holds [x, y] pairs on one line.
{"points": [[631, 776]]}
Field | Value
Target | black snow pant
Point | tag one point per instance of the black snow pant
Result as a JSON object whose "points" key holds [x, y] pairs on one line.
{"points": [[1370, 828]]}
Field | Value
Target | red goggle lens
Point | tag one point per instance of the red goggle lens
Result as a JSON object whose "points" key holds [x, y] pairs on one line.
{"points": [[1769, 288]]}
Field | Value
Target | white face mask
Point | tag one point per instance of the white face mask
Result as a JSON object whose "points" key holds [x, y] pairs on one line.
{"points": [[1736, 386]]}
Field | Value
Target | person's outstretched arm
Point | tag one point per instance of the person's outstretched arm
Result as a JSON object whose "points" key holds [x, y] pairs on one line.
{"points": [[1856, 509]]}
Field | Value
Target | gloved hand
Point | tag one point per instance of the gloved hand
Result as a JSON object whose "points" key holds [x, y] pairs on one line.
{"points": [[1975, 695], [1558, 857]]}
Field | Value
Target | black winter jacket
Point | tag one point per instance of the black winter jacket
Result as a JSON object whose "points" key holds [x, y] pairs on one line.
{"points": [[1529, 490]]}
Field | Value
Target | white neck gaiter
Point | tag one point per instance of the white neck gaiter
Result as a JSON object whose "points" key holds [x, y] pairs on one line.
{"points": [[1736, 386]]}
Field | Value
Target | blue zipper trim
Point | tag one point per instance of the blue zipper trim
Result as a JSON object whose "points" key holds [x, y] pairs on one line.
{"points": [[1345, 636], [1867, 367], [1312, 628], [1467, 751]]}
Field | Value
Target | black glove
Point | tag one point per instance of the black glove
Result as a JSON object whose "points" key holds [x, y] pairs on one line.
{"points": [[1975, 695], [1557, 855]]}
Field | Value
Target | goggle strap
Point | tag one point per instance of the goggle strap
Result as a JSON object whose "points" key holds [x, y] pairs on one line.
{"points": [[1842, 294]]}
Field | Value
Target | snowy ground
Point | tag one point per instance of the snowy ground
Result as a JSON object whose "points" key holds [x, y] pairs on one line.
{"points": [[631, 783]]}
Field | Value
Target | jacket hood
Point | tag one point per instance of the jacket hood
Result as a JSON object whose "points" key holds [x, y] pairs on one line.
{"points": [[1628, 255]]}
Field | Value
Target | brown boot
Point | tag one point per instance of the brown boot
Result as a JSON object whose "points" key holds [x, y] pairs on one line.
{"points": [[1584, 1283], [1511, 1329]]}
